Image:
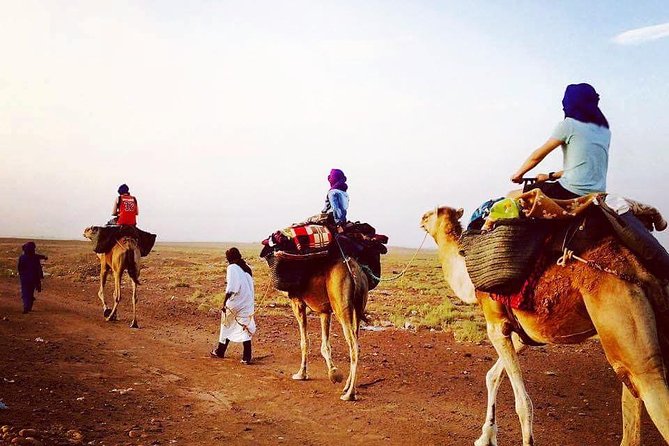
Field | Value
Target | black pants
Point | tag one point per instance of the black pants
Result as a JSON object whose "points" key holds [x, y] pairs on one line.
{"points": [[222, 347], [28, 295], [552, 189]]}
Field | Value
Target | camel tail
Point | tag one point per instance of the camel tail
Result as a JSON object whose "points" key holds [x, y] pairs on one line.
{"points": [[131, 264], [361, 288], [660, 304]]}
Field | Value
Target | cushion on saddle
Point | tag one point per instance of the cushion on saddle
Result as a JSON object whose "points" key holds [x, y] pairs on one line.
{"points": [[536, 204], [309, 237], [105, 237]]}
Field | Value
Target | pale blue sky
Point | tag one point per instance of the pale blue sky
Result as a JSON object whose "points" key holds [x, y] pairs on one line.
{"points": [[225, 117]]}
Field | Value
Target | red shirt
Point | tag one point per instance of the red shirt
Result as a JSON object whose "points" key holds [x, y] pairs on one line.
{"points": [[127, 210]]}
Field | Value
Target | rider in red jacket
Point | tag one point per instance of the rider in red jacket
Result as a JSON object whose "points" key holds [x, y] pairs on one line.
{"points": [[125, 207]]}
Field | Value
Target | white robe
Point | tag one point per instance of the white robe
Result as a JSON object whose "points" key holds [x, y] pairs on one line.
{"points": [[237, 323]]}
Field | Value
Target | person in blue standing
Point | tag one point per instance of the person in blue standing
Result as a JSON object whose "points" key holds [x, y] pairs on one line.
{"points": [[585, 137], [336, 202], [30, 275]]}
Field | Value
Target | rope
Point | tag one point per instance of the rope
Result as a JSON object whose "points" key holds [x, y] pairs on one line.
{"points": [[234, 316], [568, 254], [348, 265], [397, 276]]}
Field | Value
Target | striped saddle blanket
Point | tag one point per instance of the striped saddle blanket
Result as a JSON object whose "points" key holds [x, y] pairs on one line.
{"points": [[309, 238]]}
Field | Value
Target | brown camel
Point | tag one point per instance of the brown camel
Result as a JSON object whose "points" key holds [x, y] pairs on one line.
{"points": [[342, 292], [125, 255], [583, 302]]}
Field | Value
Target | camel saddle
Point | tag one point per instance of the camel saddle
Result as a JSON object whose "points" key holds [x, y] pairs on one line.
{"points": [[507, 260], [105, 237], [293, 261]]}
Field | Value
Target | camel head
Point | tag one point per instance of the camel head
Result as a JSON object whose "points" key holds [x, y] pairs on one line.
{"points": [[442, 220], [91, 231]]}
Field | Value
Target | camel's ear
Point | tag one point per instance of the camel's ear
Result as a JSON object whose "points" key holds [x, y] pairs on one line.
{"points": [[459, 213]]}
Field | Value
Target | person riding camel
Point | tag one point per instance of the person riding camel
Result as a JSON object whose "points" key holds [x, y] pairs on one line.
{"points": [[584, 136], [336, 201], [125, 207]]}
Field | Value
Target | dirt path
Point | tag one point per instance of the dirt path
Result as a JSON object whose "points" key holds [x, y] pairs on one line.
{"points": [[113, 385]]}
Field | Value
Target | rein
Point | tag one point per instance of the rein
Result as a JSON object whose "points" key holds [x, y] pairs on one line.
{"points": [[400, 274]]}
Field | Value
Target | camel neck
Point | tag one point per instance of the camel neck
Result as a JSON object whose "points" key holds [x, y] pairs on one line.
{"points": [[453, 266]]}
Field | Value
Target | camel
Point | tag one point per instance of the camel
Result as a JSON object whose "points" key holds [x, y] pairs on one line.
{"points": [[591, 303], [335, 289], [124, 255]]}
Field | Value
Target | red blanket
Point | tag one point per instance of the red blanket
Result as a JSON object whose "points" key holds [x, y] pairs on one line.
{"points": [[309, 237]]}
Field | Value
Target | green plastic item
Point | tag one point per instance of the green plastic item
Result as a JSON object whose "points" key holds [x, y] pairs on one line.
{"points": [[506, 208]]}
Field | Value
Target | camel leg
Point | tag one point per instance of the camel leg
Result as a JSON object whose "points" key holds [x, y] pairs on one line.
{"points": [[494, 379], [629, 337], [333, 373], [631, 419], [300, 311], [497, 333], [134, 324], [104, 272], [117, 295], [354, 351]]}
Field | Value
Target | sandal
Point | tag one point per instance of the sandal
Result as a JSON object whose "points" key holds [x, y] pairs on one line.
{"points": [[215, 355]]}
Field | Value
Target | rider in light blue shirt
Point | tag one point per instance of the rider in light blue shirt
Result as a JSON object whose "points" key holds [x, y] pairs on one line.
{"points": [[336, 202], [584, 136]]}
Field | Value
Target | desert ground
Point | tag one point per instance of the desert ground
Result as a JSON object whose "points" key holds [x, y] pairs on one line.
{"points": [[68, 377]]}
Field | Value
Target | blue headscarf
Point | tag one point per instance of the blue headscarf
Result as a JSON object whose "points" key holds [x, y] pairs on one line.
{"points": [[581, 103]]}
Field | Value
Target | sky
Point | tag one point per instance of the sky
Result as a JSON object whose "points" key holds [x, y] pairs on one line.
{"points": [[225, 117]]}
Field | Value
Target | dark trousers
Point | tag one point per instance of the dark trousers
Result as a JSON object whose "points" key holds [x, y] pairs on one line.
{"points": [[222, 347], [28, 295]]}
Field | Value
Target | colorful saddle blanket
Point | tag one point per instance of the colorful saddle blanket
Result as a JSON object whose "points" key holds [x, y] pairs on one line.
{"points": [[309, 237]]}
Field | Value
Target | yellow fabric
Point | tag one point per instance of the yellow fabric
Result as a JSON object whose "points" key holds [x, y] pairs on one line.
{"points": [[506, 208]]}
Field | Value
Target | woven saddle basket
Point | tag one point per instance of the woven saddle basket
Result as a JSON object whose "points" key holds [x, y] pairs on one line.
{"points": [[290, 272], [500, 260]]}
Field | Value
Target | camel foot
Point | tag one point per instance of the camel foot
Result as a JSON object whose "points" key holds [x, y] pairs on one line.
{"points": [[134, 324], [106, 312], [299, 376], [485, 442], [335, 376], [349, 396]]}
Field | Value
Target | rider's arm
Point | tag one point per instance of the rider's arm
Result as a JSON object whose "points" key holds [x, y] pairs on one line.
{"points": [[136, 207], [115, 210], [338, 209], [225, 300], [535, 158]]}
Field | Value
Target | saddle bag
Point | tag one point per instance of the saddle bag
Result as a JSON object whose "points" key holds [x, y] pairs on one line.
{"points": [[290, 272], [500, 260]]}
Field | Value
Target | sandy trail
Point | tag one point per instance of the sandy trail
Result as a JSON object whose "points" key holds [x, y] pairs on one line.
{"points": [[157, 385]]}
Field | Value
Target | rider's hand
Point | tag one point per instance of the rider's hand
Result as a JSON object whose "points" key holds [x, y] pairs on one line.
{"points": [[541, 177], [340, 229], [517, 178]]}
